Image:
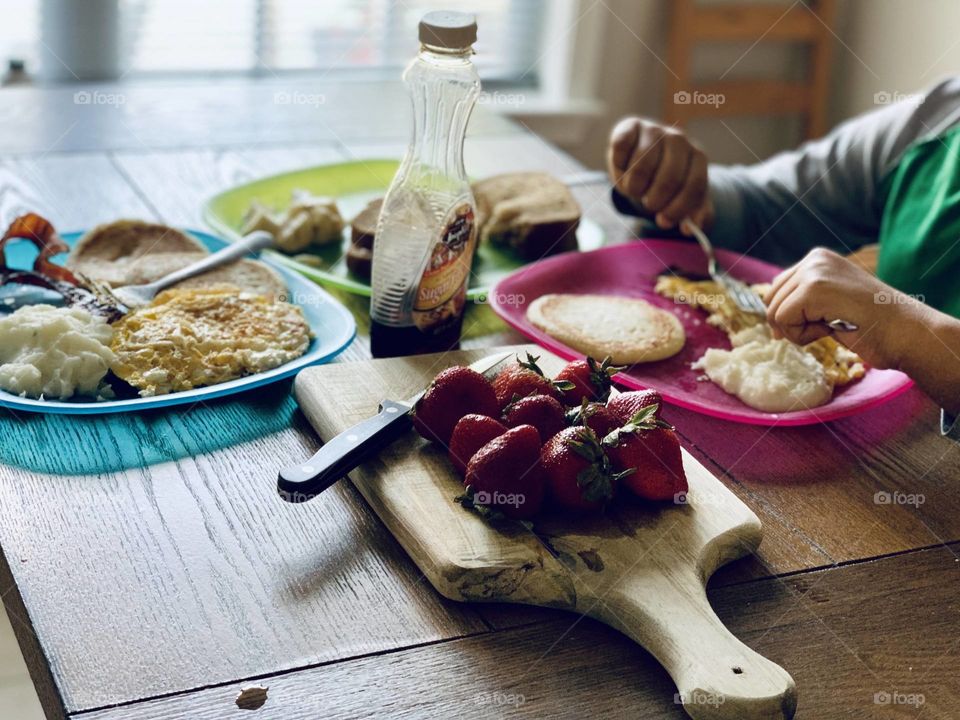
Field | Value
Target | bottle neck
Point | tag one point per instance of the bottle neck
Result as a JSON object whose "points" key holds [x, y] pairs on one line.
{"points": [[443, 87]]}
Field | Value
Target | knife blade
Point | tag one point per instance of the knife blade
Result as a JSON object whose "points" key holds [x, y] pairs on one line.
{"points": [[341, 454]]}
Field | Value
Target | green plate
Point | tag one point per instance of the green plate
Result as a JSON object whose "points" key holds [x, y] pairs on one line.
{"points": [[353, 184]]}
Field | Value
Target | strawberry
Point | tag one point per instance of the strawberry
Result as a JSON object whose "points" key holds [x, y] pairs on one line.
{"points": [[523, 378], [470, 434], [594, 415], [455, 392], [579, 476], [590, 380], [646, 451], [625, 405], [542, 411], [505, 475]]}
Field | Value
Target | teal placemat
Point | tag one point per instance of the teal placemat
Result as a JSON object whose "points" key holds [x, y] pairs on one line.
{"points": [[90, 445]]}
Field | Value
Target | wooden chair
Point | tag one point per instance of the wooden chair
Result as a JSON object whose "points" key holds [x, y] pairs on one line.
{"points": [[808, 23]]}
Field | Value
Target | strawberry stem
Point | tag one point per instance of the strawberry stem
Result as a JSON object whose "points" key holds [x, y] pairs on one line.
{"points": [[601, 375], [644, 419]]}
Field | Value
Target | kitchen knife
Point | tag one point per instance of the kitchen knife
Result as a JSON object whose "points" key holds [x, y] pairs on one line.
{"points": [[341, 454]]}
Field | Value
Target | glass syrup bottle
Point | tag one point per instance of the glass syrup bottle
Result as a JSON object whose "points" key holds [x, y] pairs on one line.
{"points": [[426, 233]]}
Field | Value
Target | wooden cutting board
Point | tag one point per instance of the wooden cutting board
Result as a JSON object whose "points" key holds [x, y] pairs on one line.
{"points": [[642, 570]]}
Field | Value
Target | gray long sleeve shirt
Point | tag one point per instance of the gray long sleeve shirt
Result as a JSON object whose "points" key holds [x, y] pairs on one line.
{"points": [[826, 192]]}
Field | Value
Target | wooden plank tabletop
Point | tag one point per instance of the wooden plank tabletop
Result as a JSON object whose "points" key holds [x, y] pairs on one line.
{"points": [[150, 570]]}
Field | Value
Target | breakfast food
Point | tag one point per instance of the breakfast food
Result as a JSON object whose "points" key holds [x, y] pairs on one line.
{"points": [[505, 474], [627, 330], [117, 252], [596, 416], [541, 411], [89, 296], [308, 221], [578, 471], [227, 323], [470, 434], [591, 380], [191, 338], [455, 392], [132, 252], [766, 374], [522, 378], [531, 453], [624, 406], [646, 451], [529, 213], [48, 352], [363, 230]]}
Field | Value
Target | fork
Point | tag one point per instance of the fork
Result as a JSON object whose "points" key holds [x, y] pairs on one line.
{"points": [[741, 293], [134, 296]]}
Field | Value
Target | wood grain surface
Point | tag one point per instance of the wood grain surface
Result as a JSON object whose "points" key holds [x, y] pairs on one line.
{"points": [[149, 558], [853, 637]]}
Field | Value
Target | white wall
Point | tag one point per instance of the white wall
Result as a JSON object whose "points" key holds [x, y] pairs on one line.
{"points": [[893, 46]]}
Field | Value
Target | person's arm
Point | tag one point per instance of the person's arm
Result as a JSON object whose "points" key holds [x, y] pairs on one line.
{"points": [[894, 330], [825, 193], [930, 354]]}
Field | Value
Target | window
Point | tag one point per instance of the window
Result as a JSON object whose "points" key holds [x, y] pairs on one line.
{"points": [[265, 37]]}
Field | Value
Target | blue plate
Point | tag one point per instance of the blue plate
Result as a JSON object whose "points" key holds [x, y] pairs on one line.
{"points": [[332, 324]]}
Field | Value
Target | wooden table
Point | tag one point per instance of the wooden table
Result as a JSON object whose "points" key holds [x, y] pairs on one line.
{"points": [[151, 571]]}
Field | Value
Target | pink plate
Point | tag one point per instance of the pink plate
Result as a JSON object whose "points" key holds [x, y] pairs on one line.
{"points": [[630, 270]]}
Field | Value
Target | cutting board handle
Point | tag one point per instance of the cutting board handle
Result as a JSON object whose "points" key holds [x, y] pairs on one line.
{"points": [[717, 676]]}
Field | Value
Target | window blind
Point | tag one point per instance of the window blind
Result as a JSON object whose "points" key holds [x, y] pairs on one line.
{"points": [[371, 37]]}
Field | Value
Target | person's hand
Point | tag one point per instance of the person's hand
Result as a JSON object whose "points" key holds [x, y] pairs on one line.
{"points": [[660, 169], [825, 286]]}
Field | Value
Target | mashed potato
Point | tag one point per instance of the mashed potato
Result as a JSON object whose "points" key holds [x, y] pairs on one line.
{"points": [[54, 352], [767, 374]]}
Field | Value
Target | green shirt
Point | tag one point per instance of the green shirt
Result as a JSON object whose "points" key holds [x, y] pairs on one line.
{"points": [[920, 229]]}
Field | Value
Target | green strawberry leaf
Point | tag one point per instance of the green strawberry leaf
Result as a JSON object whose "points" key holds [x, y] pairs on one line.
{"points": [[645, 416], [530, 364], [600, 376], [644, 419], [595, 484]]}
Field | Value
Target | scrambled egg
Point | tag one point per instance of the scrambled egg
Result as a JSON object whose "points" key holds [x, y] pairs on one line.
{"points": [[191, 338], [54, 352], [841, 366]]}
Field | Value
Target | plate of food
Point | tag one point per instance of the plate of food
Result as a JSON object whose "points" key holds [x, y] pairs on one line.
{"points": [[325, 217], [69, 345], [650, 305]]}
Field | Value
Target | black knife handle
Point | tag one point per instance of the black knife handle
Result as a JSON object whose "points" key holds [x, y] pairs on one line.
{"points": [[341, 454]]}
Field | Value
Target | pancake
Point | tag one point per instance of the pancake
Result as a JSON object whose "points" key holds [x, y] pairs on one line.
{"points": [[113, 253], [629, 331], [130, 252]]}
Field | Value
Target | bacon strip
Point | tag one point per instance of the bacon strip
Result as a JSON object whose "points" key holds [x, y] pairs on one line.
{"points": [[48, 274], [41, 233]]}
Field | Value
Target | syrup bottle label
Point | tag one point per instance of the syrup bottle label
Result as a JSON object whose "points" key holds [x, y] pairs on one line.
{"points": [[442, 292]]}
